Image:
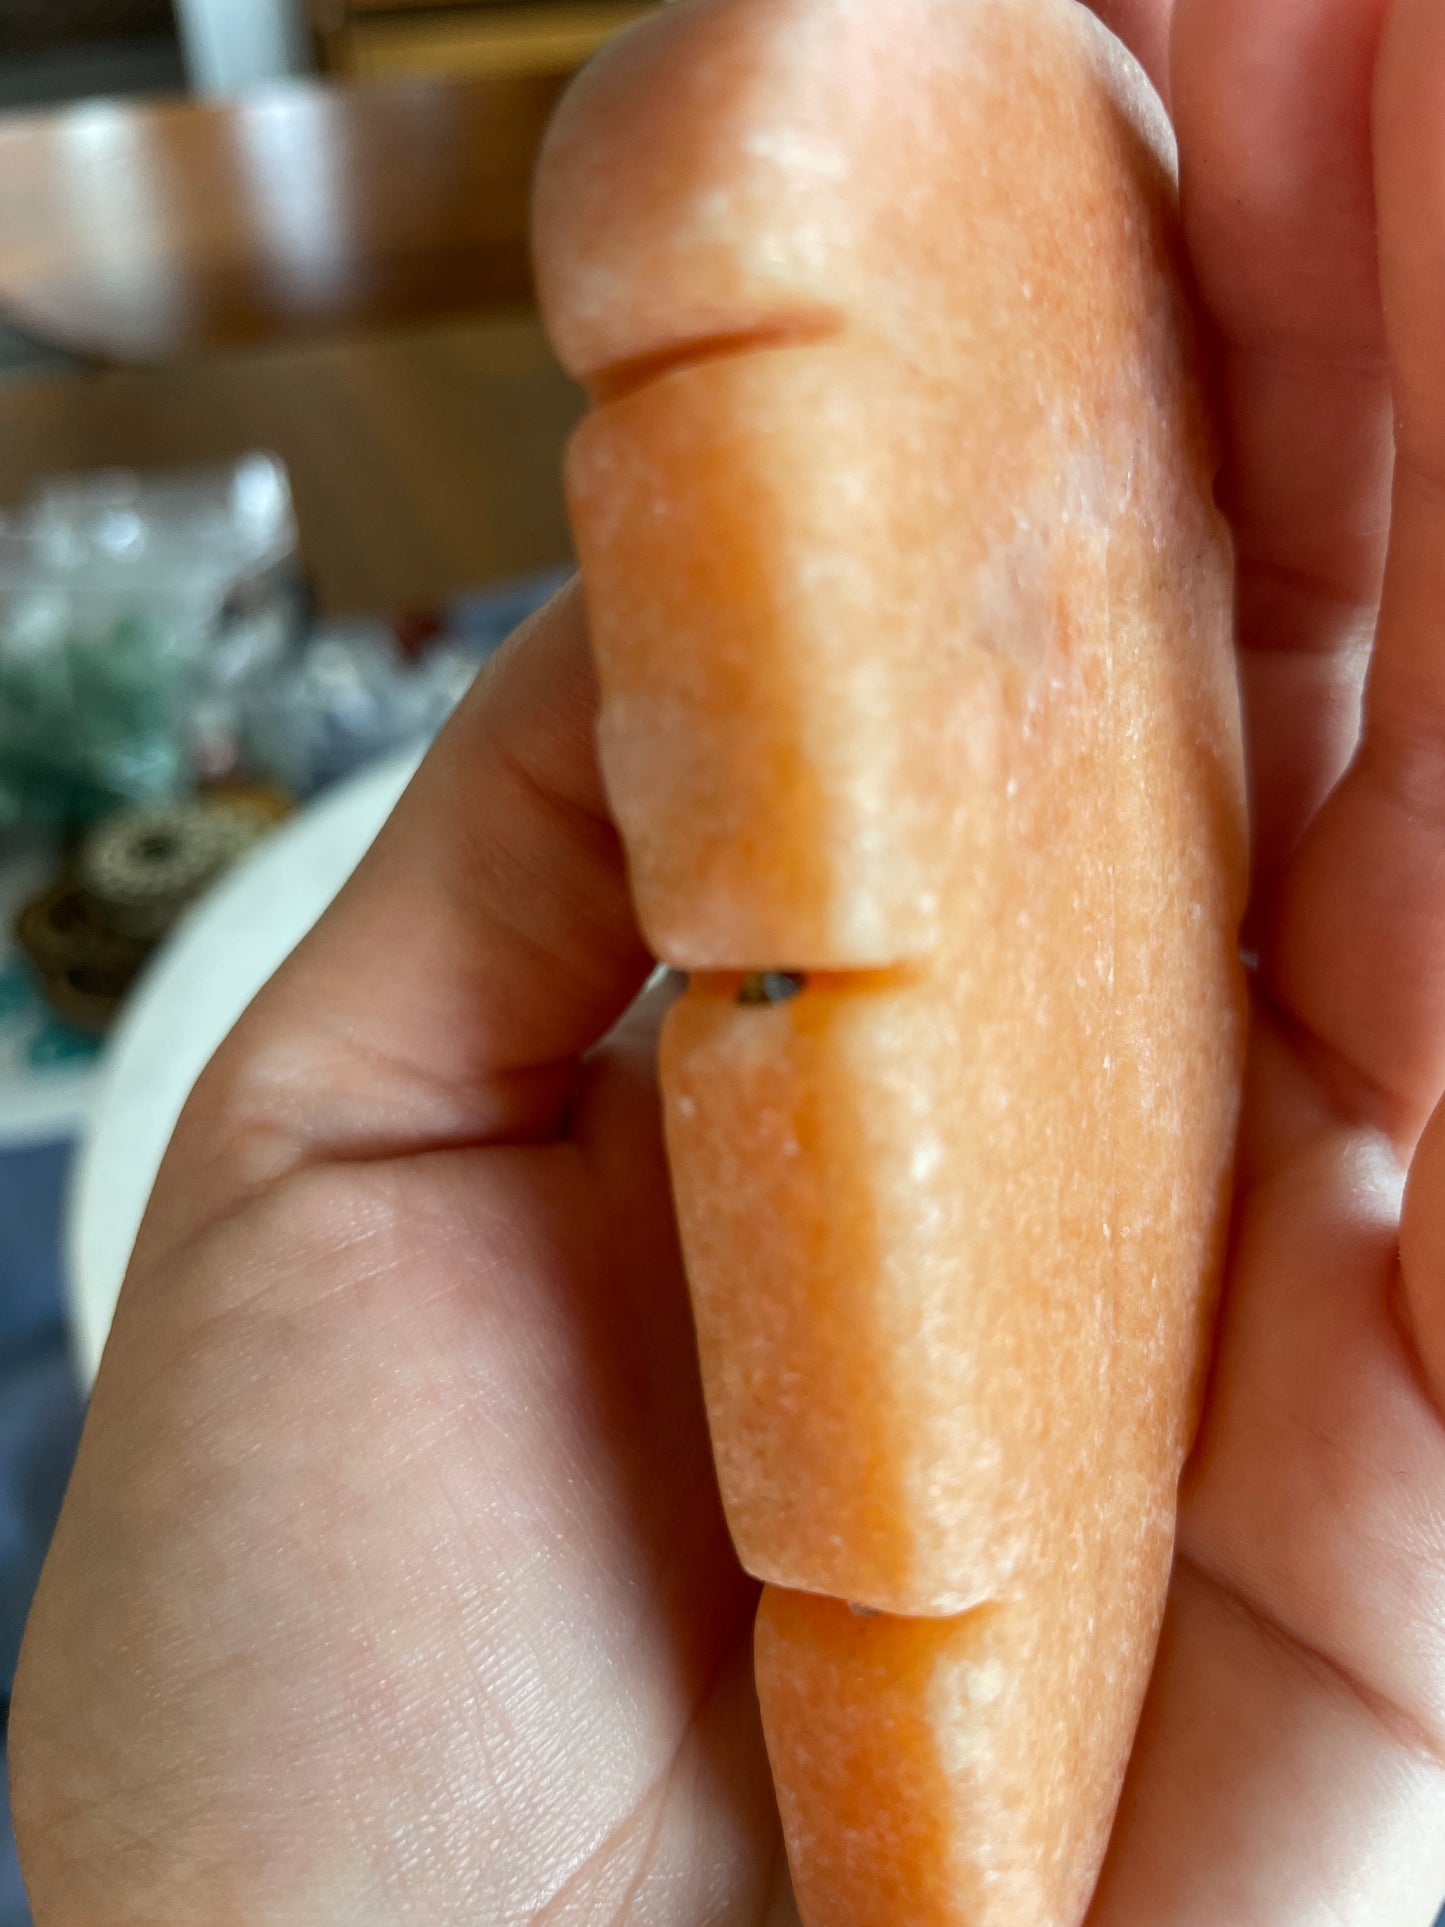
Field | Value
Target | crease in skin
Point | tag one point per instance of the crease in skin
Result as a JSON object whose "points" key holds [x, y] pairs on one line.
{"points": [[619, 379]]}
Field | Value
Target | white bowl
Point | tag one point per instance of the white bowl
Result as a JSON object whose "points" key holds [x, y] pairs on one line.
{"points": [[181, 1010]]}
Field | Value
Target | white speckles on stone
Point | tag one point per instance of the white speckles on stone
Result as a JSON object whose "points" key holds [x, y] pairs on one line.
{"points": [[989, 1681], [930, 1217], [958, 1731], [926, 1157], [964, 1693], [799, 155]]}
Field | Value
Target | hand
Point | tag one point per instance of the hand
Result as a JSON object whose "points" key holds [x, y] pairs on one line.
{"points": [[392, 1583]]}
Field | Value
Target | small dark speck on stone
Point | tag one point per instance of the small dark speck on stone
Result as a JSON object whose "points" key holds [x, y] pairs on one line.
{"points": [[770, 986]]}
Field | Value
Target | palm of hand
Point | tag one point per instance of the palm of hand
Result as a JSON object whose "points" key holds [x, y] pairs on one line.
{"points": [[402, 1386]]}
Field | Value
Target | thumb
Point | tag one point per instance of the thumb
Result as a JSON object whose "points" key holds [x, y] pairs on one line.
{"points": [[447, 995]]}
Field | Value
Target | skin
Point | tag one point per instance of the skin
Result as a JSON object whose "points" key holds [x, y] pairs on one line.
{"points": [[392, 1585]]}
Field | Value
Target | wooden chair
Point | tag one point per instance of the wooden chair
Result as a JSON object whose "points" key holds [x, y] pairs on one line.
{"points": [[479, 37], [140, 232], [360, 255]]}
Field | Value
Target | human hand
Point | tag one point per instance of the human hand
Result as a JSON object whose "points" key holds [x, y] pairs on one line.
{"points": [[1291, 1761], [392, 1584]]}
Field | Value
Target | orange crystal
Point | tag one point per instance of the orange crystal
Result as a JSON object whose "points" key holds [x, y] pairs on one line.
{"points": [[912, 615], [956, 1772]]}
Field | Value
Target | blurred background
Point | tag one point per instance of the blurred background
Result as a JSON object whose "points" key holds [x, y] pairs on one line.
{"points": [[279, 467]]}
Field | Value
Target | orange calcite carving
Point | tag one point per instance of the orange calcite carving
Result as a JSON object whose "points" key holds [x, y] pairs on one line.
{"points": [[956, 1772], [911, 610]]}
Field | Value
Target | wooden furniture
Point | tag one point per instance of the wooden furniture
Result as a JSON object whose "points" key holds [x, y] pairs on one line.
{"points": [[27, 25], [360, 256], [137, 232], [492, 38], [423, 464]]}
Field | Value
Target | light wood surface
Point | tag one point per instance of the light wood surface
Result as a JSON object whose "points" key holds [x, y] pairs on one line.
{"points": [[413, 6], [490, 41], [424, 465], [139, 232]]}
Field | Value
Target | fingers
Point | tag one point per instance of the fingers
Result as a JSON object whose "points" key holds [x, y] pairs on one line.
{"points": [[1262, 1794], [1272, 103], [483, 945], [1290, 1767], [1358, 955]]}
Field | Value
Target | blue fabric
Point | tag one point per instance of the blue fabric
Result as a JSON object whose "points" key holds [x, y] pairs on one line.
{"points": [[40, 1414], [14, 1908], [40, 1406]]}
